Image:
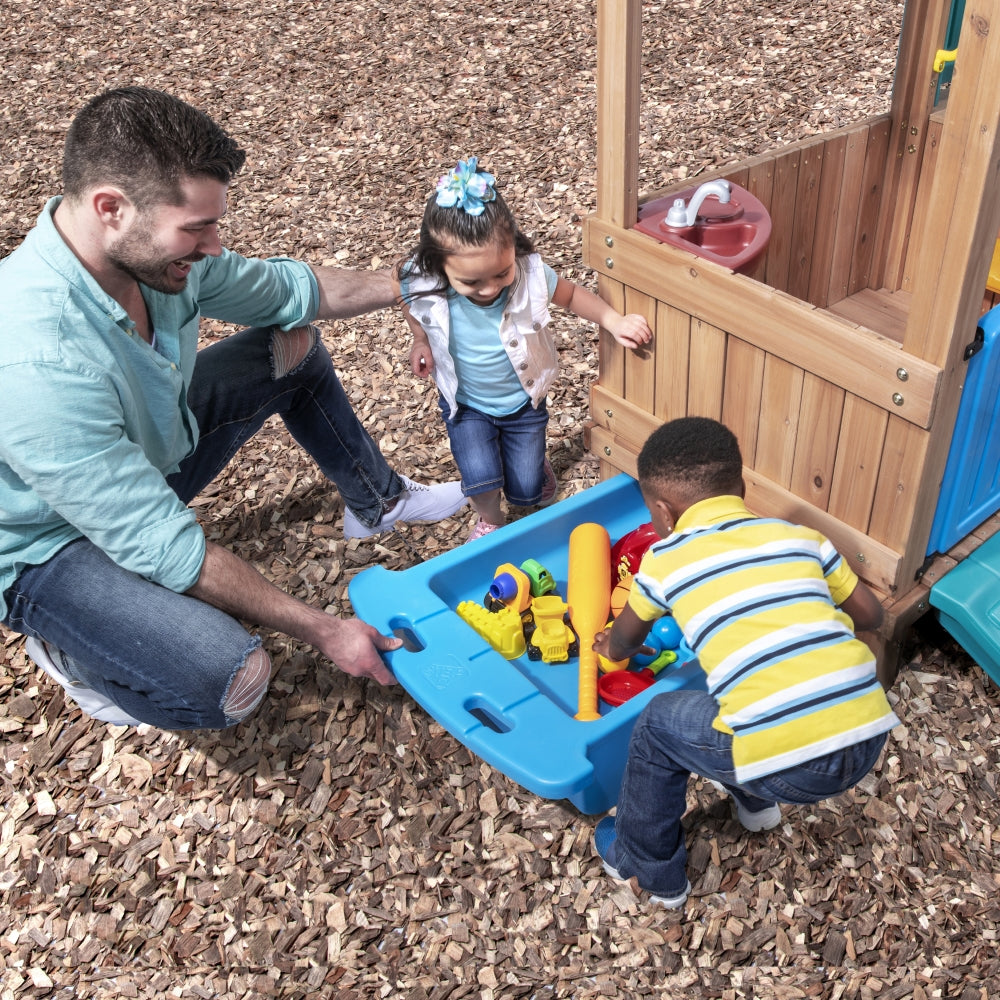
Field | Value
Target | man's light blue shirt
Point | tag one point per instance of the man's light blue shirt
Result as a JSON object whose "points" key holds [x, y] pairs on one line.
{"points": [[94, 418]]}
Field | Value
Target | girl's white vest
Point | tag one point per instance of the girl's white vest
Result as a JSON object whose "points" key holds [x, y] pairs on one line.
{"points": [[524, 332]]}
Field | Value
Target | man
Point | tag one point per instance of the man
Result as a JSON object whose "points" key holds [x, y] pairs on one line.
{"points": [[112, 424]]}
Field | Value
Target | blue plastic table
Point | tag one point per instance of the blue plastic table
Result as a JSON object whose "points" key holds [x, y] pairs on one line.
{"points": [[517, 715]]}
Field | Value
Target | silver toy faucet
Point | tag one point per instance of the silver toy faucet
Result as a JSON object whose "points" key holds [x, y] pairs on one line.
{"points": [[679, 215]]}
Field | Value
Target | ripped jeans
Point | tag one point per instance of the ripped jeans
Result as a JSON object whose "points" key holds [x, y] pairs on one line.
{"points": [[166, 658]]}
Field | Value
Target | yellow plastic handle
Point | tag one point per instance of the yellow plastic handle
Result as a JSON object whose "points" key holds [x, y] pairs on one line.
{"points": [[943, 56]]}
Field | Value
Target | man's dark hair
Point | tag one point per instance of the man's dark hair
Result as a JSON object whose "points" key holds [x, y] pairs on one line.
{"points": [[145, 142], [699, 452]]}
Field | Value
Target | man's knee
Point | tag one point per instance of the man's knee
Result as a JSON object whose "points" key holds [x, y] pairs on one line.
{"points": [[248, 686], [289, 348]]}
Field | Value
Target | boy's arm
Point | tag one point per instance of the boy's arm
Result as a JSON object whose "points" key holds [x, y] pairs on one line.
{"points": [[630, 331], [863, 607]]}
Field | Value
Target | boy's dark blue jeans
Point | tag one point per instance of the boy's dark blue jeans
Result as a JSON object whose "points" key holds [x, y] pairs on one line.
{"points": [[166, 658], [673, 739]]}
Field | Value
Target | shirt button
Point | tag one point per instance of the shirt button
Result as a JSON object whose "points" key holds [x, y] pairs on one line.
{"points": [[530, 382], [513, 342], [523, 365], [536, 326]]}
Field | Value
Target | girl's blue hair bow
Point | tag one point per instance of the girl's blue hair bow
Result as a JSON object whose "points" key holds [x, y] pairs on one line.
{"points": [[466, 188]]}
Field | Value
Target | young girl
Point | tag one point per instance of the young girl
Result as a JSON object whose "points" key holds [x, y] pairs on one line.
{"points": [[476, 296]]}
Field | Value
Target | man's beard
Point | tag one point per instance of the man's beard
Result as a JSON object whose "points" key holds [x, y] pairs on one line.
{"points": [[135, 253]]}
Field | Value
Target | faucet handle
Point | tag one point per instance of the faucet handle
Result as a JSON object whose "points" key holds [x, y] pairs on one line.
{"points": [[677, 213]]}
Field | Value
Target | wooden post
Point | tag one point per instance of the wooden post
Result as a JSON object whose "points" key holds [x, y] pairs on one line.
{"points": [[955, 248], [619, 79], [619, 76], [924, 26]]}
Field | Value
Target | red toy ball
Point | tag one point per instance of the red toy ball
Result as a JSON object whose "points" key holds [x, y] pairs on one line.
{"points": [[627, 552]]}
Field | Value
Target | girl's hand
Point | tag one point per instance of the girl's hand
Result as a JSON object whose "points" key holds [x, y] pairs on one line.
{"points": [[421, 360], [632, 331]]}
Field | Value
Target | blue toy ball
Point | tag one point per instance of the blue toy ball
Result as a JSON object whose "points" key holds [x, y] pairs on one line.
{"points": [[645, 659], [667, 632]]}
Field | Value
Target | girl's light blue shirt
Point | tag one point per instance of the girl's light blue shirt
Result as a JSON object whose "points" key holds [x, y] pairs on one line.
{"points": [[94, 418]]}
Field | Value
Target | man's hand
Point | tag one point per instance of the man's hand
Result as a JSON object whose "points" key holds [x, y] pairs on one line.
{"points": [[234, 586], [354, 646]]}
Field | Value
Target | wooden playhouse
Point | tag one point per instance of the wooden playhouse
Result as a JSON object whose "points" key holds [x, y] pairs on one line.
{"points": [[840, 358]]}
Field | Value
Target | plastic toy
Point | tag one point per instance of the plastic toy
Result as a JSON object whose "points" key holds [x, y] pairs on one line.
{"points": [[619, 596], [606, 666], [627, 552], [667, 632], [645, 659], [511, 588], [501, 629], [616, 688], [589, 598], [549, 638], [541, 579]]}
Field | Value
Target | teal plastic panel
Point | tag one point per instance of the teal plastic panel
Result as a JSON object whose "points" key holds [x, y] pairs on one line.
{"points": [[967, 600]]}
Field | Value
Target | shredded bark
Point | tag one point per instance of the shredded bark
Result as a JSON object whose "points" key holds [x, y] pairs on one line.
{"points": [[340, 843]]}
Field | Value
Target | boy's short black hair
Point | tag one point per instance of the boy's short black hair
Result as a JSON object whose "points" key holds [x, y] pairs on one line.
{"points": [[699, 452]]}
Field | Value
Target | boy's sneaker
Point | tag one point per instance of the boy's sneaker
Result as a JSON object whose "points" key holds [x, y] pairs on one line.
{"points": [[763, 819], [91, 702], [605, 842], [550, 485], [416, 503], [482, 529]]}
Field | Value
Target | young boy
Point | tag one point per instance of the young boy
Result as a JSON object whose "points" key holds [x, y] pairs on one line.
{"points": [[793, 712]]}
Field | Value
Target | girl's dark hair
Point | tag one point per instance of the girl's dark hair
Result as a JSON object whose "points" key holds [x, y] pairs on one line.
{"points": [[145, 142], [442, 229], [699, 452]]}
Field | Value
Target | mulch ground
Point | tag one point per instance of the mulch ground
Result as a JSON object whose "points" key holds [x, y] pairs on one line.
{"points": [[340, 843]]}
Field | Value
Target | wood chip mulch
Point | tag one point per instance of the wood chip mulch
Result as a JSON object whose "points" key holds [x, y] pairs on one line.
{"points": [[341, 844]]}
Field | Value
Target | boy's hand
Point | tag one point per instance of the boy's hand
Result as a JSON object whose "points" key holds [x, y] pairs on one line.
{"points": [[632, 331], [602, 646]]}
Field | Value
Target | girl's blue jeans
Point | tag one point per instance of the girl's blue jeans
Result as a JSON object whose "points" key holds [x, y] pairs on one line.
{"points": [[673, 738], [166, 658], [495, 453]]}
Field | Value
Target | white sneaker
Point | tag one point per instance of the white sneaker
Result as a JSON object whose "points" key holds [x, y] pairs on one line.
{"points": [[91, 702], [764, 819], [416, 503]]}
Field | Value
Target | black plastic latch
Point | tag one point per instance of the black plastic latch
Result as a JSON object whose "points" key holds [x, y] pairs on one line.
{"points": [[976, 346]]}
